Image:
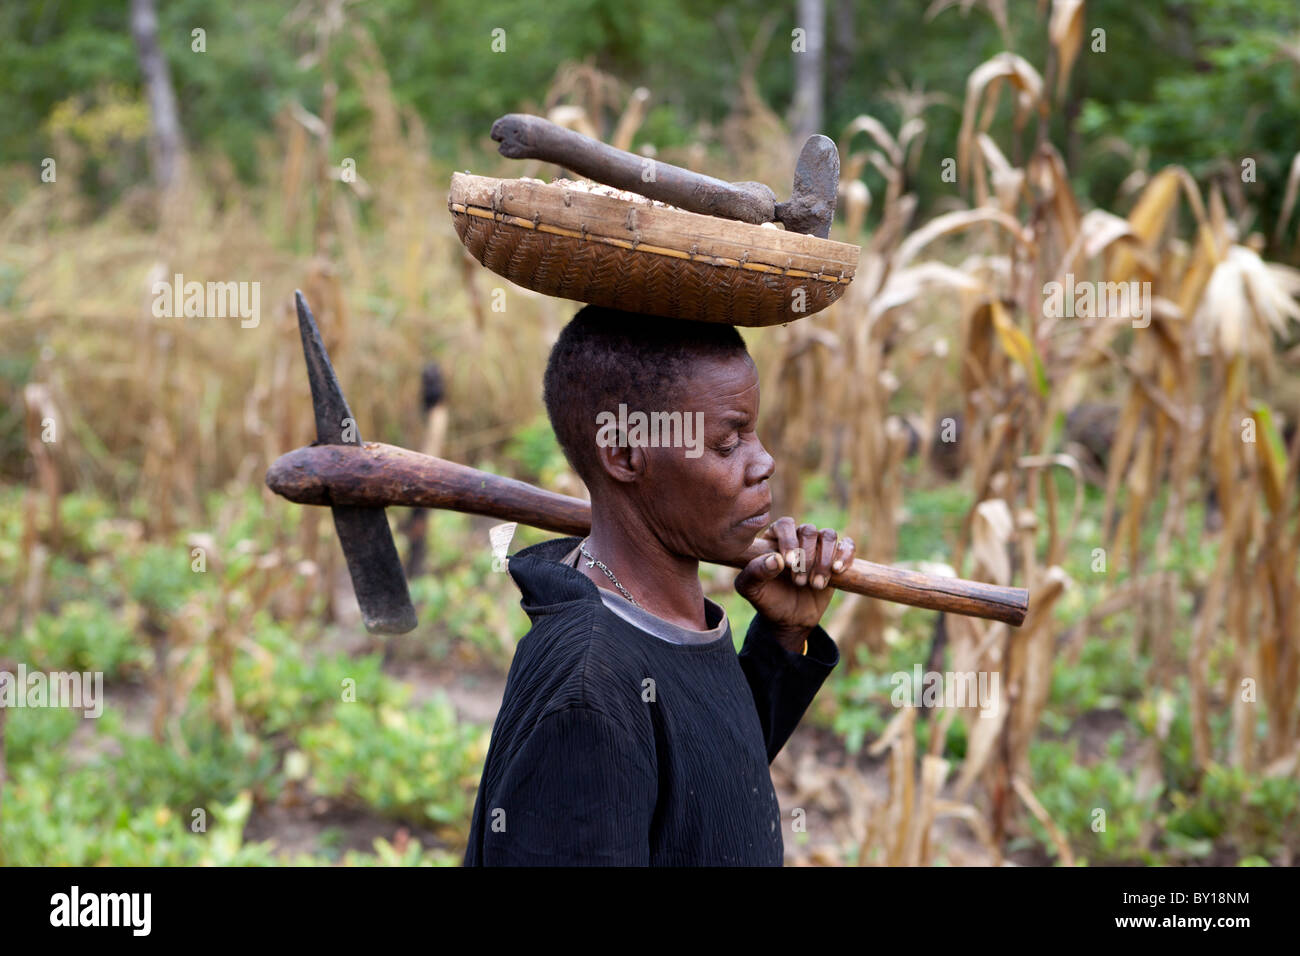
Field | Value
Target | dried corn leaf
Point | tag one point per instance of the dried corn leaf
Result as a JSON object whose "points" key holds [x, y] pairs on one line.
{"points": [[1065, 30], [991, 532], [1098, 230], [904, 285], [877, 131], [1048, 174], [982, 86], [934, 771], [1149, 216], [1007, 179], [956, 222], [910, 132], [1270, 290], [857, 203], [982, 736], [964, 811], [997, 10]]}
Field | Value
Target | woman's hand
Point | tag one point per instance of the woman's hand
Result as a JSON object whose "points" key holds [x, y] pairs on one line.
{"points": [[795, 601]]}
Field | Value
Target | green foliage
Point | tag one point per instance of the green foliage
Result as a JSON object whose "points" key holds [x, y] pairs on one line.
{"points": [[87, 526], [1257, 816], [102, 792], [1072, 793], [50, 50], [1177, 753], [30, 732], [85, 636], [386, 854], [130, 804], [227, 95], [859, 713], [537, 452], [820, 506], [415, 763], [285, 688], [461, 601], [211, 767], [159, 577], [864, 709], [954, 745], [76, 820], [1101, 679], [934, 516], [1206, 107]]}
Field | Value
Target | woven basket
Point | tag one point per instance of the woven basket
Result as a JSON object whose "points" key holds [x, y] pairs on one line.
{"points": [[639, 257]]}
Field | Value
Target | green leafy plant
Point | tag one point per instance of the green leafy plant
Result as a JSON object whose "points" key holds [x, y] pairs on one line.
{"points": [[415, 763], [1254, 815], [86, 636], [1072, 793]]}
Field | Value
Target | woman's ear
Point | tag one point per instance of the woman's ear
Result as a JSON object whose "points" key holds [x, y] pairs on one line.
{"points": [[620, 460]]}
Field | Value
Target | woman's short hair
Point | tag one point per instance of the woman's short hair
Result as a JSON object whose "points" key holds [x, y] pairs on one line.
{"points": [[605, 357]]}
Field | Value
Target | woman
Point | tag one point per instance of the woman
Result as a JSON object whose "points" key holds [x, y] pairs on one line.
{"points": [[631, 732]]}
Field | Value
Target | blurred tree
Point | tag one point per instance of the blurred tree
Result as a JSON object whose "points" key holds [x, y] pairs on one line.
{"points": [[809, 47], [166, 148]]}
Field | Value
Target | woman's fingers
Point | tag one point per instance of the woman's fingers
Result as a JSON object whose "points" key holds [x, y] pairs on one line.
{"points": [[811, 555], [820, 569], [787, 541], [808, 539]]}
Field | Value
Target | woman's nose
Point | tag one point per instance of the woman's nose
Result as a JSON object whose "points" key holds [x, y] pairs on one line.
{"points": [[762, 467]]}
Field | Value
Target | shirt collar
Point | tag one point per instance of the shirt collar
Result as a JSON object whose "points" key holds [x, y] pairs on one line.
{"points": [[545, 581]]}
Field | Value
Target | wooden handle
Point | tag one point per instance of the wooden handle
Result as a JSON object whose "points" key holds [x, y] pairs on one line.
{"points": [[531, 137], [378, 475]]}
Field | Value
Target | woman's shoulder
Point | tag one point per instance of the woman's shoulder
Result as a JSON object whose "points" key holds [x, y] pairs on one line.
{"points": [[581, 657]]}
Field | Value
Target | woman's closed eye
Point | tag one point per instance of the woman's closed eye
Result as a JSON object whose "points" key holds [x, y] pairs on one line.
{"points": [[735, 440]]}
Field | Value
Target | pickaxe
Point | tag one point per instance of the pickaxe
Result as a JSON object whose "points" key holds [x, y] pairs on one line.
{"points": [[812, 199], [359, 479]]}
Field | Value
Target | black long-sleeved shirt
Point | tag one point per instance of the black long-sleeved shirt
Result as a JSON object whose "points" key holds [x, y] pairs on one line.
{"points": [[615, 747]]}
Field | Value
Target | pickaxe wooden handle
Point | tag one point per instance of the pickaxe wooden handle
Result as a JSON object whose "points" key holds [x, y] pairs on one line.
{"points": [[375, 475]]}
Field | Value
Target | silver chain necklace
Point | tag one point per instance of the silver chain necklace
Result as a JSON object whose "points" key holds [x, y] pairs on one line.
{"points": [[592, 560]]}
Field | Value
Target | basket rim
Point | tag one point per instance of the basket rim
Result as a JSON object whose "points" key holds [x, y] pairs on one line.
{"points": [[657, 230]]}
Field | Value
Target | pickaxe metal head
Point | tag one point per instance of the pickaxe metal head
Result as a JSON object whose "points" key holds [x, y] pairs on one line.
{"points": [[377, 575], [811, 208]]}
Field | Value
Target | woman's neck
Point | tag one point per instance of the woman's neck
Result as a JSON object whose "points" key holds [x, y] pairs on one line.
{"points": [[666, 585]]}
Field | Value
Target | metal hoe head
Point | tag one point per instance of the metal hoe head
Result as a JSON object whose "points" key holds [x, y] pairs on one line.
{"points": [[816, 181], [377, 576]]}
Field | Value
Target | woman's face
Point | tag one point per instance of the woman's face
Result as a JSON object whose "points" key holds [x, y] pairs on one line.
{"points": [[711, 500]]}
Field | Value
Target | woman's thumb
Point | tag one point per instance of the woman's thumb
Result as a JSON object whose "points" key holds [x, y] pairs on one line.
{"points": [[763, 568]]}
